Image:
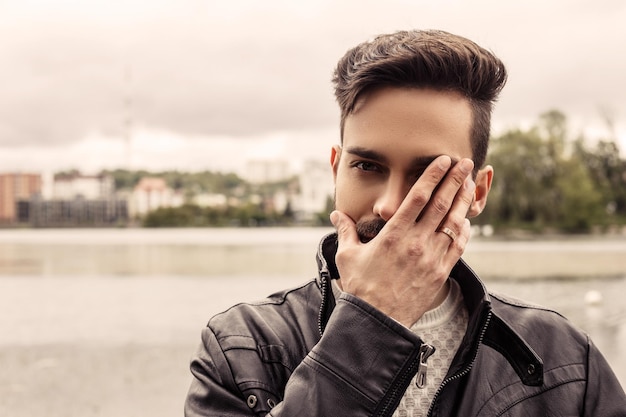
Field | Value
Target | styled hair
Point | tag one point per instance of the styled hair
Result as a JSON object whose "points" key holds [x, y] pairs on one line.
{"points": [[424, 59]]}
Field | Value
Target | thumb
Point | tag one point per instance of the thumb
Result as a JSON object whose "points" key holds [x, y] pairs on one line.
{"points": [[346, 228]]}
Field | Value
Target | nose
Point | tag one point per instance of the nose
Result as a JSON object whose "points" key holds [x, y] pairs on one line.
{"points": [[390, 198]]}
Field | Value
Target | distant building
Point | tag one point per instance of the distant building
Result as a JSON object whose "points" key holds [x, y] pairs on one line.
{"points": [[75, 200], [316, 187], [266, 171], [88, 187], [280, 201], [152, 193], [14, 188], [77, 212]]}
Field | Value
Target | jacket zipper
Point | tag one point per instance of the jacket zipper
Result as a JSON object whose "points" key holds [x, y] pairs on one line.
{"points": [[424, 354], [418, 360], [464, 371], [324, 277]]}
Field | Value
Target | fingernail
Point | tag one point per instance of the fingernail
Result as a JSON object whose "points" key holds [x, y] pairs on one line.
{"points": [[466, 166], [444, 162], [334, 217]]}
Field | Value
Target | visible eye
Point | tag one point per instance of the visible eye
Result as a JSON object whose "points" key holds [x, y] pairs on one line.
{"points": [[366, 166]]}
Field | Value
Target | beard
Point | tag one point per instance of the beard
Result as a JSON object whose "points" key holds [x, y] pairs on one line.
{"points": [[369, 229], [365, 229]]}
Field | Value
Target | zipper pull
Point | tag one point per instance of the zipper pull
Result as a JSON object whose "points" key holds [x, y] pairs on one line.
{"points": [[424, 354]]}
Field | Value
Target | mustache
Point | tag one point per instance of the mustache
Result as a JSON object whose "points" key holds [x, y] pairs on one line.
{"points": [[365, 229], [369, 229]]}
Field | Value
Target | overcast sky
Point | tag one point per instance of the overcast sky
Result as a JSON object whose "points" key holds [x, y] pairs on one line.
{"points": [[193, 85]]}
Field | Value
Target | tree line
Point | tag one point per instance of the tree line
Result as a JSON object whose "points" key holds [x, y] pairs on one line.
{"points": [[547, 181]]}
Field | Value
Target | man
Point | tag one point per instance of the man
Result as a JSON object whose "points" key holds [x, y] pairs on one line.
{"points": [[396, 323]]}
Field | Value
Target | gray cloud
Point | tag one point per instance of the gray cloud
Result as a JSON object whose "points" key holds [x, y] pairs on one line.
{"points": [[198, 70]]}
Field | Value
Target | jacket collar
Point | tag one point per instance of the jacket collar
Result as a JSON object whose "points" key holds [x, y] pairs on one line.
{"points": [[484, 325]]}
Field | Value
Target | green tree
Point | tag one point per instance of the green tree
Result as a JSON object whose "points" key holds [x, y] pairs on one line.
{"points": [[522, 172], [543, 181], [580, 205], [172, 217], [608, 172]]}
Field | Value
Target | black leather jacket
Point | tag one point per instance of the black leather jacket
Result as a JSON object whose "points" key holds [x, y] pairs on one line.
{"points": [[299, 354]]}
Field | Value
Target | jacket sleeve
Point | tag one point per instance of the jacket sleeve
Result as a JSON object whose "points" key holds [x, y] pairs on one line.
{"points": [[604, 396], [213, 391], [360, 366]]}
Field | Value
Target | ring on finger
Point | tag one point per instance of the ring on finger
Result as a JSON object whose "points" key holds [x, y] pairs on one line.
{"points": [[449, 232]]}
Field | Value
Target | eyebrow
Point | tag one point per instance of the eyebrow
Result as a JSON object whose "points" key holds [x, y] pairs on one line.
{"points": [[417, 162]]}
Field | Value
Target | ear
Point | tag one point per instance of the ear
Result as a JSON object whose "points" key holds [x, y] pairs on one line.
{"points": [[483, 185], [335, 154]]}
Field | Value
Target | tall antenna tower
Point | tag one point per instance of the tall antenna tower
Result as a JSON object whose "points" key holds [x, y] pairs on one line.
{"points": [[128, 116]]}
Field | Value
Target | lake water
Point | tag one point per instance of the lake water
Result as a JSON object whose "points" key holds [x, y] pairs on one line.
{"points": [[119, 311]]}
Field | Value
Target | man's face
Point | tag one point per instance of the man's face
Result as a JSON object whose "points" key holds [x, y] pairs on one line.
{"points": [[388, 141]]}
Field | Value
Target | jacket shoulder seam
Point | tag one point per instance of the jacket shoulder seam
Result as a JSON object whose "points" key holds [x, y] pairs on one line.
{"points": [[276, 298], [515, 302]]}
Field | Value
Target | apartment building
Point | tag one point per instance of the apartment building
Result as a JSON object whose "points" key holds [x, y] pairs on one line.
{"points": [[16, 187], [316, 187], [76, 200], [152, 193]]}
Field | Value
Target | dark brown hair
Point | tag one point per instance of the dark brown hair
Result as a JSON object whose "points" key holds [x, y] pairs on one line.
{"points": [[424, 59]]}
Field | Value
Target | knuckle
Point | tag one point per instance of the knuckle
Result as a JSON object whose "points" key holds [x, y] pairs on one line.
{"points": [[434, 175], [419, 198], [458, 179], [467, 197], [342, 229], [455, 222], [340, 255], [416, 250], [343, 256], [458, 247], [440, 204], [390, 240]]}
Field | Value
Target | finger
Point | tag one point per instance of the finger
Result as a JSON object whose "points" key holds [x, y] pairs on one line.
{"points": [[455, 191], [346, 228], [456, 248], [463, 201], [453, 222], [421, 192]]}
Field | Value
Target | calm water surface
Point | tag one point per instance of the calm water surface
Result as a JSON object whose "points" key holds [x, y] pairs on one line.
{"points": [[123, 287]]}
